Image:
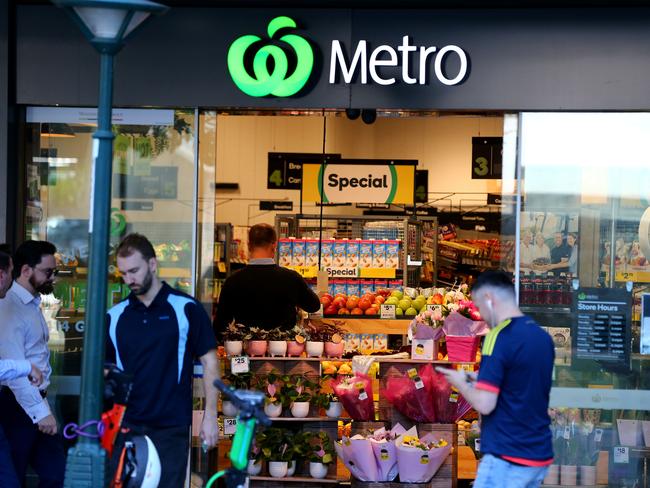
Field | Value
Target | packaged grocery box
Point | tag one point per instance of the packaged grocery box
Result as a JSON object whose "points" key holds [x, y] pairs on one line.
{"points": [[352, 342], [327, 253], [396, 285], [338, 256], [366, 286], [367, 342], [340, 286], [381, 285], [311, 252], [353, 287], [352, 253], [392, 254], [379, 254], [298, 252], [284, 252], [365, 254], [381, 342]]}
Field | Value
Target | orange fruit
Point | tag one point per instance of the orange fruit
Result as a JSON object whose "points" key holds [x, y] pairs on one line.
{"points": [[336, 338], [299, 339]]}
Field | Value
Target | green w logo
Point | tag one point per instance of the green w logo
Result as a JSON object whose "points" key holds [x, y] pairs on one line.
{"points": [[275, 82]]}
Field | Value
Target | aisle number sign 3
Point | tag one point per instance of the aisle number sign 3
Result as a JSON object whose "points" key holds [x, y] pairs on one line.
{"points": [[358, 183]]}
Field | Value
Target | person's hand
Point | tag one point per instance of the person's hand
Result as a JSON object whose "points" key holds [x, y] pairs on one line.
{"points": [[35, 376], [209, 430], [454, 377], [47, 425]]}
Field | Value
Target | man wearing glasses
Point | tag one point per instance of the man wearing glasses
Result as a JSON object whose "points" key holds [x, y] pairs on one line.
{"points": [[25, 413]]}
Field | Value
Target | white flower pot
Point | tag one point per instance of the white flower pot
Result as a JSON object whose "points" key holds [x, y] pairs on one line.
{"points": [[254, 468], [273, 410], [315, 349], [568, 475], [552, 475], [277, 348], [587, 475], [234, 348], [228, 409], [291, 470], [278, 469], [334, 410], [317, 470], [300, 409]]}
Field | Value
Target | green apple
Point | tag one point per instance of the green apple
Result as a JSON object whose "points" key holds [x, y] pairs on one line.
{"points": [[411, 311], [397, 293], [392, 301], [399, 311], [419, 303], [404, 304]]}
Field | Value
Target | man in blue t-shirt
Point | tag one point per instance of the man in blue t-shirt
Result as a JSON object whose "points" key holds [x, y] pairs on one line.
{"points": [[512, 389], [155, 335]]}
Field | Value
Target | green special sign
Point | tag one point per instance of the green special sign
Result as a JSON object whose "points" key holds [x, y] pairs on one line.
{"points": [[278, 82]]}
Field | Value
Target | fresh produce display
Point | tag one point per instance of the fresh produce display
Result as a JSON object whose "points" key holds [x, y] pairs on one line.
{"points": [[369, 304]]}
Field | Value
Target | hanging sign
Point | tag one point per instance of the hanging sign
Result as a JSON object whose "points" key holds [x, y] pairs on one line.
{"points": [[353, 181]]}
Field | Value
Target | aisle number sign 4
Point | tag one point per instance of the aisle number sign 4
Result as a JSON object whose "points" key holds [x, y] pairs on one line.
{"points": [[358, 183]]}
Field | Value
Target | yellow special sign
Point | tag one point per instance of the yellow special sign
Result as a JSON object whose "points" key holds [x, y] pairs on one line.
{"points": [[358, 183]]}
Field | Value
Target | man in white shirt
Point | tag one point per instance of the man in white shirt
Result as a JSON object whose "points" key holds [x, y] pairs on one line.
{"points": [[25, 414]]}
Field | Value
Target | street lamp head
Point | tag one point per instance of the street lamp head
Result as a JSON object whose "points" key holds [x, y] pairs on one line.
{"points": [[106, 23]]}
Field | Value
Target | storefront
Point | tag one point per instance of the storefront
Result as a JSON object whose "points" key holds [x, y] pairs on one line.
{"points": [[207, 127]]}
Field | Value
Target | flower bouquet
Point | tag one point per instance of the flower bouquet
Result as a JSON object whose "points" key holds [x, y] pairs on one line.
{"points": [[449, 405], [412, 394], [463, 328], [418, 459], [355, 393]]}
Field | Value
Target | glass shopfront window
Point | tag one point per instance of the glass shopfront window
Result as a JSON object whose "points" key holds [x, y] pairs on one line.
{"points": [[583, 273]]}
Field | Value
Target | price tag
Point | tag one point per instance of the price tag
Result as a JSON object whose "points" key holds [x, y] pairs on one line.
{"points": [[229, 425], [387, 311], [567, 432], [240, 364], [477, 445], [433, 308], [461, 439], [363, 395], [621, 455], [598, 435]]}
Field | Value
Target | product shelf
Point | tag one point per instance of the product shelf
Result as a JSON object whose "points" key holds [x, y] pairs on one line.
{"points": [[293, 479]]}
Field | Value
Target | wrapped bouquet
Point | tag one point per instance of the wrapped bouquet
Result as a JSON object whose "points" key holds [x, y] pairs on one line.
{"points": [[355, 393], [413, 394], [418, 459]]}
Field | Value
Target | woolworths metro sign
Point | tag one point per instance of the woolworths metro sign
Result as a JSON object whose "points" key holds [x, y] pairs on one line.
{"points": [[358, 183], [261, 67]]}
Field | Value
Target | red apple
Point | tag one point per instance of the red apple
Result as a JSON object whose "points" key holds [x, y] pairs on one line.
{"points": [[356, 311], [331, 310], [365, 303], [326, 300], [352, 302], [379, 299], [343, 311], [339, 302], [342, 295], [372, 311]]}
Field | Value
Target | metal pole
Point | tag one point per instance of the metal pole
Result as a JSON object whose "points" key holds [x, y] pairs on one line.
{"points": [[87, 460]]}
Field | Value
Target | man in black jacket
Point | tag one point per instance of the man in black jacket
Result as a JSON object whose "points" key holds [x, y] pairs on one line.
{"points": [[264, 294]]}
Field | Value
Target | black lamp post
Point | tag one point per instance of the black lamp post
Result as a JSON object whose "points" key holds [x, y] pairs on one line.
{"points": [[105, 23]]}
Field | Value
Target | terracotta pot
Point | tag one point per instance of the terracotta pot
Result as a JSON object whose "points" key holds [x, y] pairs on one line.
{"points": [[295, 349], [278, 469], [277, 348], [273, 410], [291, 470], [587, 475], [333, 350], [300, 409], [334, 410], [256, 348], [254, 468], [317, 470], [568, 475], [228, 409], [234, 348], [315, 349], [552, 475]]}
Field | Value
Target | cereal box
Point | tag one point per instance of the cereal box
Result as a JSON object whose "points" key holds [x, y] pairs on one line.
{"points": [[352, 342], [330, 287], [379, 254], [311, 252], [340, 286], [367, 342], [284, 252], [353, 287], [352, 253], [340, 249], [327, 253], [396, 284], [392, 254], [365, 254], [298, 252], [381, 285], [381, 342], [366, 286]]}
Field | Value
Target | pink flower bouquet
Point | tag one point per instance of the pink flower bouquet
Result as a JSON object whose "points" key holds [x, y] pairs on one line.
{"points": [[418, 460], [355, 393]]}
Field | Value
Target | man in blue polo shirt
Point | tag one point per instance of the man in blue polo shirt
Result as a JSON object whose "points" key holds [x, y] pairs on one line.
{"points": [[154, 335], [512, 389]]}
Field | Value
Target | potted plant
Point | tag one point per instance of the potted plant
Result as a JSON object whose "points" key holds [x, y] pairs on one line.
{"points": [[330, 403], [321, 456], [255, 458], [277, 342], [315, 344], [233, 339], [333, 337], [296, 393], [270, 385], [239, 382], [296, 346], [276, 451], [301, 445], [256, 341]]}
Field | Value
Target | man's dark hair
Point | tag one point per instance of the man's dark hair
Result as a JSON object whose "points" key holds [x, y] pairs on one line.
{"points": [[30, 253], [495, 279], [5, 248], [261, 235], [5, 260], [136, 242]]}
